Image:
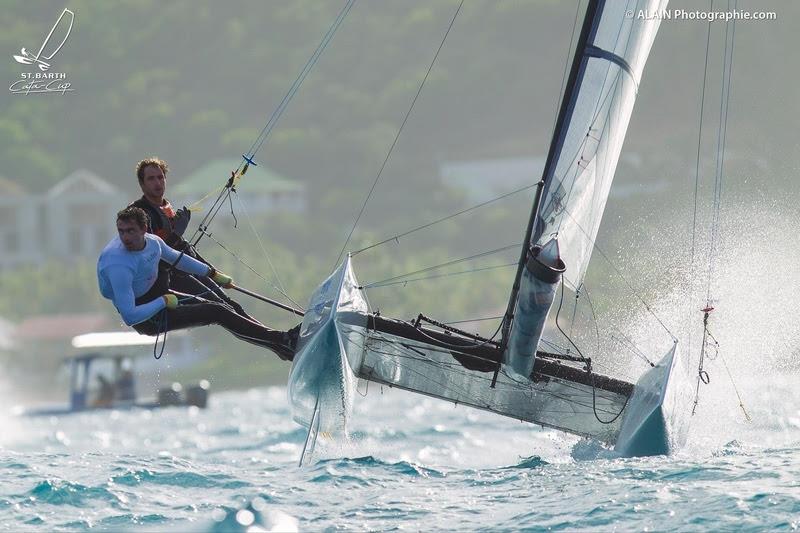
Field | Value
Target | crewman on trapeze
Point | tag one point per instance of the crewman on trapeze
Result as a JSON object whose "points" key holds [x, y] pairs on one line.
{"points": [[128, 274], [170, 224]]}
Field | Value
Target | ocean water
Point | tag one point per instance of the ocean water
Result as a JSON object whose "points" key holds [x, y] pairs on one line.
{"points": [[413, 464]]}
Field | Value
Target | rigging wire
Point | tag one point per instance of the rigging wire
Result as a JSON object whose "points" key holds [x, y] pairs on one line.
{"points": [[224, 194], [397, 136], [265, 132], [436, 276], [619, 273], [479, 205], [567, 63], [625, 342], [583, 359], [553, 346], [280, 288], [721, 137], [251, 269], [441, 265], [397, 237], [484, 319], [697, 174], [709, 341], [600, 106]]}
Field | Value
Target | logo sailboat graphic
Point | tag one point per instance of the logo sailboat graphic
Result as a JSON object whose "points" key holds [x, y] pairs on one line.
{"points": [[48, 48]]}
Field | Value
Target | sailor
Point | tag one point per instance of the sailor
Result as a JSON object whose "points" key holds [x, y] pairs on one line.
{"points": [[128, 275], [105, 392], [170, 224], [126, 384]]}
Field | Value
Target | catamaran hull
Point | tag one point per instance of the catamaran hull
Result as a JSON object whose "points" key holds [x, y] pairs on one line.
{"points": [[321, 384], [341, 342], [656, 417]]}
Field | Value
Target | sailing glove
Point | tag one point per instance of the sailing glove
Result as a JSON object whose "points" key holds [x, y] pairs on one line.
{"points": [[223, 280], [170, 300], [181, 221]]}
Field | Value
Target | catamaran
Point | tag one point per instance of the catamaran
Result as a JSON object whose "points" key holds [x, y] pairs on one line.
{"points": [[517, 374]]}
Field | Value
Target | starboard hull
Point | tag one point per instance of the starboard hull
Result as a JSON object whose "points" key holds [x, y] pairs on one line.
{"points": [[656, 418]]}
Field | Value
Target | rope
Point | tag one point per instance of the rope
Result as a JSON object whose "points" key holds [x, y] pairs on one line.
{"points": [[708, 341], [594, 315], [434, 267], [583, 359], [161, 327], [399, 131], [736, 390], [588, 362]]}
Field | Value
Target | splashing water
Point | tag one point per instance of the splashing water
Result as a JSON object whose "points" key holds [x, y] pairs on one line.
{"points": [[418, 463]]}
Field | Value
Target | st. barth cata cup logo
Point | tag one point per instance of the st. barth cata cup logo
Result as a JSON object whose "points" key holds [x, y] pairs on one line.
{"points": [[43, 81]]}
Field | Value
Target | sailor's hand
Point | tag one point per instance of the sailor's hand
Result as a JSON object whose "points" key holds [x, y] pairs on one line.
{"points": [[181, 221], [170, 300], [223, 280]]}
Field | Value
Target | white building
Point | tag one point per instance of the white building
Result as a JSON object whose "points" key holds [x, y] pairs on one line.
{"points": [[80, 213]]}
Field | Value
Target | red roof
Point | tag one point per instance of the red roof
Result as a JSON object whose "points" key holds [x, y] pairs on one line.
{"points": [[60, 327]]}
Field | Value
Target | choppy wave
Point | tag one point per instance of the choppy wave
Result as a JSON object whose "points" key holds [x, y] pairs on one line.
{"points": [[413, 464]]}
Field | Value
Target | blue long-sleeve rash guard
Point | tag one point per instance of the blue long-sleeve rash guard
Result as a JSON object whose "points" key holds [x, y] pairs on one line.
{"points": [[123, 275]]}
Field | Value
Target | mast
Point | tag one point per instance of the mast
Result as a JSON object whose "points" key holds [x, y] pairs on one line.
{"points": [[567, 105], [598, 100]]}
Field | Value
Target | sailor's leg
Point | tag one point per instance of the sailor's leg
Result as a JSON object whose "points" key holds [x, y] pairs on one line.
{"points": [[203, 314], [222, 295]]}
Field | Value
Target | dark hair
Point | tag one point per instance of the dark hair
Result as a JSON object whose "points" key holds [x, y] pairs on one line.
{"points": [[135, 214], [144, 163]]}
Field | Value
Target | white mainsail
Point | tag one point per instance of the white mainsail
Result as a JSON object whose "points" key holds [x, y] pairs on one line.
{"points": [[581, 163], [579, 178]]}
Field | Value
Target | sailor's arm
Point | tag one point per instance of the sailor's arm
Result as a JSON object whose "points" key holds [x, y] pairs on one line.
{"points": [[185, 263], [121, 279], [192, 265]]}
